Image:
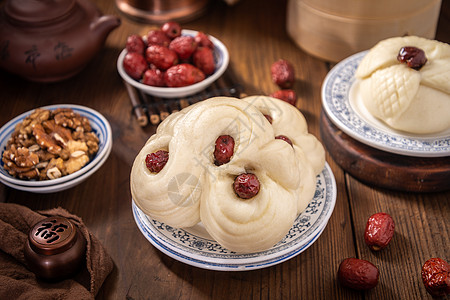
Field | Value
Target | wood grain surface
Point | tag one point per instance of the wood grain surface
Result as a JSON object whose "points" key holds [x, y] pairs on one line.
{"points": [[254, 32]]}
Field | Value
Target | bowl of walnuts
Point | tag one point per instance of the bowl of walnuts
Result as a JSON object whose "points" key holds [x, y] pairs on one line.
{"points": [[53, 148], [171, 62]]}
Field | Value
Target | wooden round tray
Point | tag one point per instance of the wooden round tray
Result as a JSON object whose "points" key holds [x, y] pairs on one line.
{"points": [[384, 169]]}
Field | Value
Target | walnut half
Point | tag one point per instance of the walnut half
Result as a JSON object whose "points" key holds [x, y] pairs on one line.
{"points": [[20, 162]]}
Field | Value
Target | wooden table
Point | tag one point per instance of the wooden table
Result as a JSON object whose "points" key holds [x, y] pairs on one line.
{"points": [[254, 32]]}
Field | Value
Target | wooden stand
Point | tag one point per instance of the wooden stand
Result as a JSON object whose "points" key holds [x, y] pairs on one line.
{"points": [[384, 169]]}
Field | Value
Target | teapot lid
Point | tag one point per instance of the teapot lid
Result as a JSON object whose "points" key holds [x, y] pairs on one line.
{"points": [[38, 11]]}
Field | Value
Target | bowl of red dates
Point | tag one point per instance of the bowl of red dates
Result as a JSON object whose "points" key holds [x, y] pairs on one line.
{"points": [[171, 62]]}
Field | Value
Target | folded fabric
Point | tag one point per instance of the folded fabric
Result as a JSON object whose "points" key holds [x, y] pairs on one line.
{"points": [[17, 282]]}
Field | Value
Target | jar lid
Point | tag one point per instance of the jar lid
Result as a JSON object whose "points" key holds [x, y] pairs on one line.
{"points": [[38, 11], [52, 235]]}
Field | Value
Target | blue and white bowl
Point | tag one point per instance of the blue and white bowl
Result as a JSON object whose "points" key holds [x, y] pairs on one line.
{"points": [[100, 127], [221, 58]]}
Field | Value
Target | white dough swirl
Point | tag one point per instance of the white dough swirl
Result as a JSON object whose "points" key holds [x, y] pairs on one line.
{"points": [[192, 189], [416, 101]]}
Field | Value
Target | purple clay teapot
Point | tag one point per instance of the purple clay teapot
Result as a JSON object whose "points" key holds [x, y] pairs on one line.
{"points": [[51, 40]]}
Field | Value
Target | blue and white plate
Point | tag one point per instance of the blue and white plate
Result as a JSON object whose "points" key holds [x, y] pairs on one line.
{"points": [[100, 127], [195, 247], [339, 102], [221, 60]]}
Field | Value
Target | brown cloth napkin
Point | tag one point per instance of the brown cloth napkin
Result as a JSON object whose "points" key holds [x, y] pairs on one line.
{"points": [[17, 282]]}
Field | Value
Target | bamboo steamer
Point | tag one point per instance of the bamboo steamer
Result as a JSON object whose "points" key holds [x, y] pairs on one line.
{"points": [[333, 30]]}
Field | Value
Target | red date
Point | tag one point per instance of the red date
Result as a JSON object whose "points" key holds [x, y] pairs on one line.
{"points": [[358, 274], [183, 75], [269, 118], [224, 150], [158, 37], [135, 65], [436, 277], [246, 185], [203, 40], [135, 43], [284, 138], [204, 60], [165, 58], [171, 29], [379, 231], [153, 77], [161, 57], [156, 161], [413, 57], [283, 74], [288, 96], [184, 46]]}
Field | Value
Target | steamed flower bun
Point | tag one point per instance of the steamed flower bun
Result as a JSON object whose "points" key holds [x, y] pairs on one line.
{"points": [[415, 101], [191, 188]]}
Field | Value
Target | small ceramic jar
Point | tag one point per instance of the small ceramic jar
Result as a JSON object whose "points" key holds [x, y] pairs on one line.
{"points": [[55, 249]]}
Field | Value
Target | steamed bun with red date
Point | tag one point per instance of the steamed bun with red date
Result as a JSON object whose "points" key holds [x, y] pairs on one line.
{"points": [[405, 82], [244, 168]]}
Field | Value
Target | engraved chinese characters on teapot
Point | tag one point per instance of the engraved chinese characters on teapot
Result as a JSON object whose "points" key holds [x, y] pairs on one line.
{"points": [[51, 40]]}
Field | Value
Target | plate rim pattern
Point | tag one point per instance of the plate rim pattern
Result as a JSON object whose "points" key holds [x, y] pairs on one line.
{"points": [[230, 261], [335, 101]]}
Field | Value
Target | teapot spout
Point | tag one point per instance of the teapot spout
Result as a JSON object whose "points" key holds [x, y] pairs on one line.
{"points": [[104, 25]]}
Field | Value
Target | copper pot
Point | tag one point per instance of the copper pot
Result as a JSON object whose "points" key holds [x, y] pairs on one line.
{"points": [[160, 11]]}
